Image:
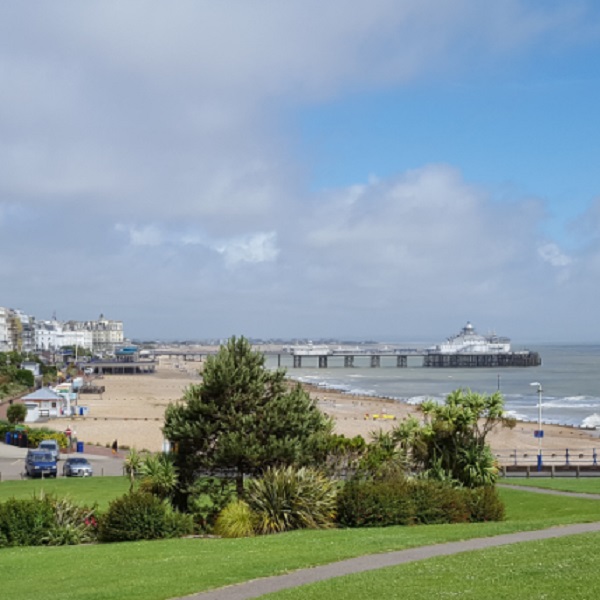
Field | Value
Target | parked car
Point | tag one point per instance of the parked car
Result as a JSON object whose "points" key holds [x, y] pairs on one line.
{"points": [[50, 446], [39, 463], [76, 466]]}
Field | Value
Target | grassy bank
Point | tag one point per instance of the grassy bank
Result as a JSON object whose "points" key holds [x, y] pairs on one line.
{"points": [[164, 569]]}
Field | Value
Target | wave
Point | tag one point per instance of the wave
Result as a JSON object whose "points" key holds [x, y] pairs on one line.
{"points": [[591, 421]]}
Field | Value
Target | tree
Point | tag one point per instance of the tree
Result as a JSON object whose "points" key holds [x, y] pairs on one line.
{"points": [[158, 475], [16, 413], [243, 418], [451, 444]]}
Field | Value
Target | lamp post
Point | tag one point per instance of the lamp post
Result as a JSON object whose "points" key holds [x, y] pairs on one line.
{"points": [[540, 432]]}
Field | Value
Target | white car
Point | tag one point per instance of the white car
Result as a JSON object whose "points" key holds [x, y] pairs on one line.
{"points": [[50, 446]]}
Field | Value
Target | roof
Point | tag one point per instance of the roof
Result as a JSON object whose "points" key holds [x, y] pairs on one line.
{"points": [[42, 394]]}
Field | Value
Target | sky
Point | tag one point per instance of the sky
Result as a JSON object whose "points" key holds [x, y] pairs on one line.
{"points": [[358, 170]]}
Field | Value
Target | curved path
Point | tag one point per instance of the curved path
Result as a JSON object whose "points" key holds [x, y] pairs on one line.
{"points": [[266, 585]]}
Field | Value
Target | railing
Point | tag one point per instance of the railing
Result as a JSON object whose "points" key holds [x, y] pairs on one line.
{"points": [[558, 457]]}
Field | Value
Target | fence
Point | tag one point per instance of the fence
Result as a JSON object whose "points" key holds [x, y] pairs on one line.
{"points": [[550, 456]]}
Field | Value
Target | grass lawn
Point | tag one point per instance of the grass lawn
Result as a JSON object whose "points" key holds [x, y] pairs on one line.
{"points": [[84, 491], [554, 569], [584, 485], [164, 569]]}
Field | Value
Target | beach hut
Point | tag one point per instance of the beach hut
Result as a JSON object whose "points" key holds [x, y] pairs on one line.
{"points": [[42, 403]]}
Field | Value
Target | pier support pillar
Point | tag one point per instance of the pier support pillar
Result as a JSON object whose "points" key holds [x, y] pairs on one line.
{"points": [[297, 362], [375, 361], [348, 361], [401, 361], [322, 362]]}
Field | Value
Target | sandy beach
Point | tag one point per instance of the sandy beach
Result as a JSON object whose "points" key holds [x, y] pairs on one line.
{"points": [[131, 411]]}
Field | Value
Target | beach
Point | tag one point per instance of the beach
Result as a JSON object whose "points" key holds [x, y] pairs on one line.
{"points": [[131, 411]]}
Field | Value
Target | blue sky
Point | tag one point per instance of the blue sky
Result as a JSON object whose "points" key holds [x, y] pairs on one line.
{"points": [[528, 128], [386, 169]]}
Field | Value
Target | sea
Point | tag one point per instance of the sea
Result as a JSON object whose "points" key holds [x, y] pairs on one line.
{"points": [[569, 376]]}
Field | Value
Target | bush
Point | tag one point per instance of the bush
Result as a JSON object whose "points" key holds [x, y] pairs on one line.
{"points": [[16, 413], [376, 503], [25, 522], [142, 516], [35, 436], [399, 501], [439, 502], [485, 505], [207, 498], [288, 498], [72, 525], [236, 520]]}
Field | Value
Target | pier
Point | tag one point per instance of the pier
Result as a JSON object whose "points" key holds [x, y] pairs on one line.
{"points": [[324, 357]]}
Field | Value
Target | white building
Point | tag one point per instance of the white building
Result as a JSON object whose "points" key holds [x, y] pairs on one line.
{"points": [[4, 346], [52, 335]]}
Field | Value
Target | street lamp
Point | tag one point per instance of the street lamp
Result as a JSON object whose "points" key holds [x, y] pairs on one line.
{"points": [[540, 432]]}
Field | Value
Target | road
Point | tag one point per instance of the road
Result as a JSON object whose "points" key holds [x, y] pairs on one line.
{"points": [[12, 463]]}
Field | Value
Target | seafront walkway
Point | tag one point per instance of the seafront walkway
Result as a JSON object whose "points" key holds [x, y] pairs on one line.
{"points": [[267, 585]]}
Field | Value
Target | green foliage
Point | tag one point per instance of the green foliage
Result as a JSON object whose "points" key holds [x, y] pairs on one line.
{"points": [[73, 524], [243, 418], [207, 498], [397, 500], [35, 436], [158, 475], [16, 413], [236, 520], [485, 504], [285, 499], [142, 516], [26, 522], [344, 453], [451, 444], [437, 502], [25, 377], [45, 520], [133, 465], [375, 503]]}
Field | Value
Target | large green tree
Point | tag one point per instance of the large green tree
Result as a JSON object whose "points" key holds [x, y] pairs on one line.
{"points": [[243, 418]]}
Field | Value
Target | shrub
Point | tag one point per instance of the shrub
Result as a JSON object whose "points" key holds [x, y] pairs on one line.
{"points": [[376, 503], [236, 520], [485, 505], [72, 525], [142, 516], [35, 436], [25, 522], [439, 502], [208, 497], [399, 501], [16, 413], [288, 498]]}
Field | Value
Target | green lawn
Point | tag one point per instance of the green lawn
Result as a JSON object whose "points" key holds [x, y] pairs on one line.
{"points": [[584, 485], [557, 569], [87, 490], [164, 569]]}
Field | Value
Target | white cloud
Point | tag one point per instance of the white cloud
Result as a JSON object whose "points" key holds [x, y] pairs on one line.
{"points": [[158, 131], [255, 248], [553, 255]]}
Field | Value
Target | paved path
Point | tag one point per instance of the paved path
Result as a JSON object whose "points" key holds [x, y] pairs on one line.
{"points": [[267, 585]]}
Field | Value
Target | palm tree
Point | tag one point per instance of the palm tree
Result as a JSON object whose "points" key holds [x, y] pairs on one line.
{"points": [[158, 475], [132, 466]]}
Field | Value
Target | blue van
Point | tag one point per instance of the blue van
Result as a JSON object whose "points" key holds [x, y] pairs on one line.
{"points": [[40, 463]]}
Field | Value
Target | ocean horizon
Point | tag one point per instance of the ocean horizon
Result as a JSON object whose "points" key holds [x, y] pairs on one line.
{"points": [[569, 375]]}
